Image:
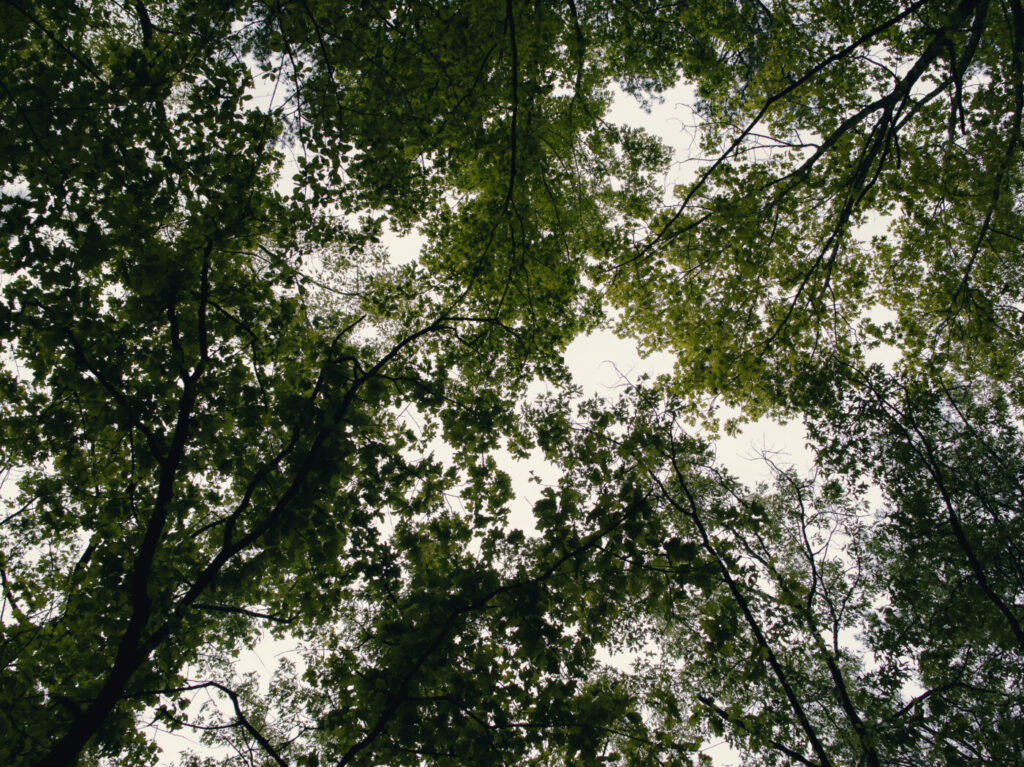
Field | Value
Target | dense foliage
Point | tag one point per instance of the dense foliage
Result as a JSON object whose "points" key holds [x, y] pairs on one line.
{"points": [[228, 413]]}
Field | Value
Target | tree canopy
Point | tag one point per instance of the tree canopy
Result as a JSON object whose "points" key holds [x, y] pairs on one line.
{"points": [[223, 397]]}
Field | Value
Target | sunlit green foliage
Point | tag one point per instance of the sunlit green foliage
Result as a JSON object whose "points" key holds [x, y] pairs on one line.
{"points": [[228, 412]]}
